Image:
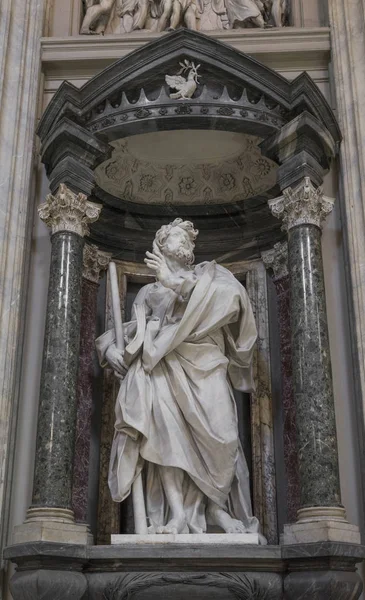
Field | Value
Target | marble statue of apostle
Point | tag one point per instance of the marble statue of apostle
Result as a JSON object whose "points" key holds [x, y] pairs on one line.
{"points": [[189, 343]]}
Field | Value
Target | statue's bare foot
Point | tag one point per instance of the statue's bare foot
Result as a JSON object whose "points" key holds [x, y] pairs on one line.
{"points": [[175, 525], [219, 517]]}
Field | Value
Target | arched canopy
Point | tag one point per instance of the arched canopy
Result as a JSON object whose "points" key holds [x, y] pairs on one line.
{"points": [[81, 128]]}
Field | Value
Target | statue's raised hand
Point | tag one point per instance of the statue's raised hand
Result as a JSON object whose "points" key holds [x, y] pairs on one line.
{"points": [[157, 263], [114, 358]]}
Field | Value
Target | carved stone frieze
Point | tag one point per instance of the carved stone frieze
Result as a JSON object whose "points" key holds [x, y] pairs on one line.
{"points": [[305, 205], [239, 586], [202, 100], [94, 262], [118, 16], [67, 211], [276, 260], [209, 572]]}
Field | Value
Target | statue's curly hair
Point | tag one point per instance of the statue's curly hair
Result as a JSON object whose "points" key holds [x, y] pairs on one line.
{"points": [[162, 235]]}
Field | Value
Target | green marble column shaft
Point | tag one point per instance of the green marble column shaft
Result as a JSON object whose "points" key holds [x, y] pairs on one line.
{"points": [[312, 374], [67, 214], [303, 210], [57, 409]]}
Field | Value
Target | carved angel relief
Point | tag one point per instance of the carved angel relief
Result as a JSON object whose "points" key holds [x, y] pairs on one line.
{"points": [[185, 86]]}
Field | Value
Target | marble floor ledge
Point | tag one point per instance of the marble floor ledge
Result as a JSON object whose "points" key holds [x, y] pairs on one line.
{"points": [[175, 557]]}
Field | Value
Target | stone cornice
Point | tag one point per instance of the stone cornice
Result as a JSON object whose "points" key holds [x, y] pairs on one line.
{"points": [[273, 47], [67, 211], [305, 205], [94, 262]]}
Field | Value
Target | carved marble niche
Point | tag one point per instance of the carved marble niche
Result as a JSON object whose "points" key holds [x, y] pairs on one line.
{"points": [[126, 142], [255, 421], [124, 16]]}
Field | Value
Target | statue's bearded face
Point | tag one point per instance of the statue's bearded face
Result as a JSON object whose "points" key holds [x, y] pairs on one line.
{"points": [[178, 245]]}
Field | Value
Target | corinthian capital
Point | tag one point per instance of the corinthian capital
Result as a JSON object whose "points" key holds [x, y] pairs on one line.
{"points": [[95, 261], [276, 259], [305, 205], [67, 211]]}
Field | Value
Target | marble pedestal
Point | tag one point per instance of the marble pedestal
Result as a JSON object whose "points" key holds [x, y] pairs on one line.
{"points": [[186, 571], [52, 531], [317, 531]]}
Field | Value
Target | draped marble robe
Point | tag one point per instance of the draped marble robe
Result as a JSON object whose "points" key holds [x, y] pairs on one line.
{"points": [[175, 408]]}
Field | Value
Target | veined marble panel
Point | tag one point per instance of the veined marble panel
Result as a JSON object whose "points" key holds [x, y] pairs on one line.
{"points": [[20, 31], [108, 511], [263, 452]]}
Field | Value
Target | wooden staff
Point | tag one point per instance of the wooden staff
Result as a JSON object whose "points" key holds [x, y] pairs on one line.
{"points": [[139, 508]]}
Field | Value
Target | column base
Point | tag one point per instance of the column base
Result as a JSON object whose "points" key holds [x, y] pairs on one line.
{"points": [[321, 524], [52, 525]]}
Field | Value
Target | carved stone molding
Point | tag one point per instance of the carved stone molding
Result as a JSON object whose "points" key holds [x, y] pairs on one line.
{"points": [[305, 205], [306, 571], [276, 260], [94, 262], [240, 586], [67, 211]]}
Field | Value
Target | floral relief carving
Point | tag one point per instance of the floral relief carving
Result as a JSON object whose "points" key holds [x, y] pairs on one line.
{"points": [[187, 186], [262, 167], [108, 121], [225, 111], [147, 182], [183, 109], [131, 178], [227, 181], [142, 113]]}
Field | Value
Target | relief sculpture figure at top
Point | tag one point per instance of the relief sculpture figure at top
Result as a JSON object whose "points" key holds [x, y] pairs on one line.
{"points": [[189, 343], [124, 16]]}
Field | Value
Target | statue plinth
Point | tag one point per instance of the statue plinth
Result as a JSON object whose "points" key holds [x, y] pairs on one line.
{"points": [[186, 539]]}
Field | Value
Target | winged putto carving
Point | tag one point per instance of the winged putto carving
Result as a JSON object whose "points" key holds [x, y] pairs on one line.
{"points": [[185, 86]]}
